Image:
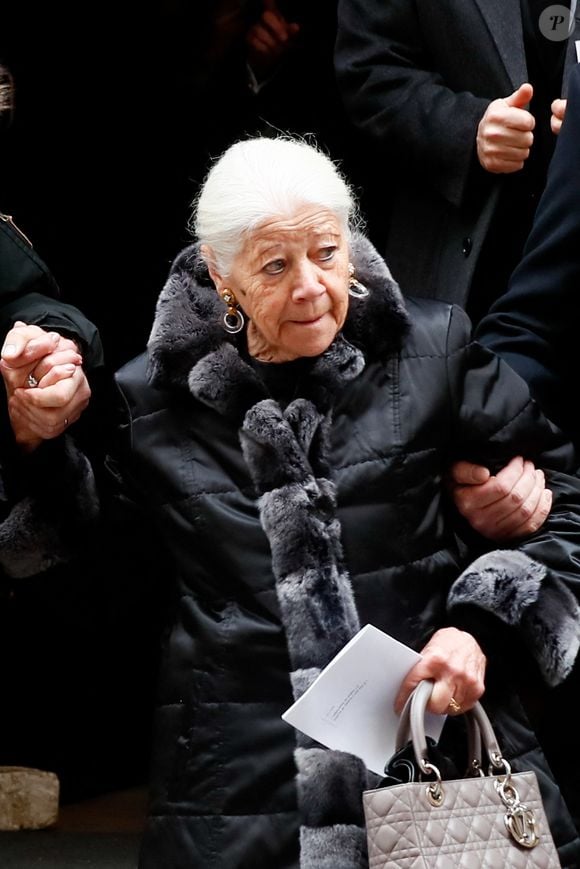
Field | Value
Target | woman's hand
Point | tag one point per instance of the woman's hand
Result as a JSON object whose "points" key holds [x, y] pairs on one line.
{"points": [[513, 503], [455, 662], [46, 386]]}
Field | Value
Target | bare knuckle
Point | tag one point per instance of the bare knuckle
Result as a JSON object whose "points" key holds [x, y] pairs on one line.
{"points": [[502, 488], [437, 658], [516, 498], [526, 511]]}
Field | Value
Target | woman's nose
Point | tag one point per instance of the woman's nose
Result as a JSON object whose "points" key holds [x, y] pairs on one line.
{"points": [[307, 285]]}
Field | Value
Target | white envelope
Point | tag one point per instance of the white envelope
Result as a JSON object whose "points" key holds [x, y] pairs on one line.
{"points": [[349, 706]]}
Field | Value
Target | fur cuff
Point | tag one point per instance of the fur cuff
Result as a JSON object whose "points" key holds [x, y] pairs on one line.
{"points": [[522, 593], [47, 528], [29, 542]]}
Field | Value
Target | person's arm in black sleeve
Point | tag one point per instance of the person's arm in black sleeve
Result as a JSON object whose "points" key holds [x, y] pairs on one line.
{"points": [[29, 293], [54, 315], [534, 325], [532, 588]]}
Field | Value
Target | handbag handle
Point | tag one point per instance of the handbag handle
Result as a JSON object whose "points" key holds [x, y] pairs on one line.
{"points": [[479, 730], [519, 818]]}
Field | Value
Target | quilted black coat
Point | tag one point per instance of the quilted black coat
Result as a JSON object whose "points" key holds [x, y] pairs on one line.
{"points": [[279, 489]]}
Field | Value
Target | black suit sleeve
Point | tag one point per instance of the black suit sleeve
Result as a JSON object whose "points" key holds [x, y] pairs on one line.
{"points": [[29, 292], [534, 325], [54, 315], [394, 94]]}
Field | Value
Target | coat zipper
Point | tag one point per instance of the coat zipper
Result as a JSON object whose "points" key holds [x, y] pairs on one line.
{"points": [[7, 218]]}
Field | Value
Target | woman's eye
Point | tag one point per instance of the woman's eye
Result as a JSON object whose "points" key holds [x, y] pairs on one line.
{"points": [[327, 253], [274, 267]]}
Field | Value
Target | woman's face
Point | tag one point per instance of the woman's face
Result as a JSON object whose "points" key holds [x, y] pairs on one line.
{"points": [[291, 281]]}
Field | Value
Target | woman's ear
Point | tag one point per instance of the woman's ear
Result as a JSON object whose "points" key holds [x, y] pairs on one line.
{"points": [[216, 277]]}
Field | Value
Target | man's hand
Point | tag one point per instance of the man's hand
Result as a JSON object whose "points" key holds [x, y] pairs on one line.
{"points": [[269, 39], [504, 134], [511, 504], [46, 386], [558, 111]]}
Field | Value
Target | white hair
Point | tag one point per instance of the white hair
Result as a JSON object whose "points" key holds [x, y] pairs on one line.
{"points": [[257, 179]]}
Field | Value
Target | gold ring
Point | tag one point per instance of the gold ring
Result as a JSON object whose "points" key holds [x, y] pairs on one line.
{"points": [[454, 706]]}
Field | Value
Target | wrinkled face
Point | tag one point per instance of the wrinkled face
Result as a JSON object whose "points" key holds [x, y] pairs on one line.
{"points": [[291, 281]]}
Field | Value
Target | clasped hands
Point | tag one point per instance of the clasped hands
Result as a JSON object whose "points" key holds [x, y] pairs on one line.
{"points": [[46, 387]]}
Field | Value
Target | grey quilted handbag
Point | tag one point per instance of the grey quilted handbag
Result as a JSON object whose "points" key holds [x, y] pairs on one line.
{"points": [[489, 821]]}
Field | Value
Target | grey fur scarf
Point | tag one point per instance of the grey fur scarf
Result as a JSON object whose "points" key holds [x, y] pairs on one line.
{"points": [[284, 451]]}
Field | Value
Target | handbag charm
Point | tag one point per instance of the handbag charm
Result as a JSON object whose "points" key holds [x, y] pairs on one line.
{"points": [[519, 819]]}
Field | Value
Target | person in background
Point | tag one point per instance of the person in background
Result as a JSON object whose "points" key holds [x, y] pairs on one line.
{"points": [[258, 56], [181, 82], [533, 324], [533, 327], [47, 346], [454, 99], [38, 328], [76, 634], [287, 435]]}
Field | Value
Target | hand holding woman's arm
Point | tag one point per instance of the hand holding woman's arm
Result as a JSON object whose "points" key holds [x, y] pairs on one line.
{"points": [[511, 504]]}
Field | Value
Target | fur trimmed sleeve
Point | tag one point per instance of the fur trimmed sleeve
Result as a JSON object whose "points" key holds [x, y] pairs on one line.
{"points": [[48, 522], [524, 594], [534, 585]]}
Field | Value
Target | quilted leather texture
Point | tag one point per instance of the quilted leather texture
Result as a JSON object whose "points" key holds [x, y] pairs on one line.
{"points": [[466, 832]]}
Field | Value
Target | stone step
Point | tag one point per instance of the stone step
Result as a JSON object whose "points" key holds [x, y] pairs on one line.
{"points": [[28, 798]]}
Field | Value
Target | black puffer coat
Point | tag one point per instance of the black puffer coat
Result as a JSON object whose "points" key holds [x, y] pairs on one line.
{"points": [[246, 490]]}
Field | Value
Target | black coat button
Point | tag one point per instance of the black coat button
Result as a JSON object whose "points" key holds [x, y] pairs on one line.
{"points": [[467, 245]]}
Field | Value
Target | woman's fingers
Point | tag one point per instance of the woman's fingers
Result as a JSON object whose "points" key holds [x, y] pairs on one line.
{"points": [[454, 661]]}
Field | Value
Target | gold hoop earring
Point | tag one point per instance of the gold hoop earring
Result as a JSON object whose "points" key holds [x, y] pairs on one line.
{"points": [[233, 319], [355, 288]]}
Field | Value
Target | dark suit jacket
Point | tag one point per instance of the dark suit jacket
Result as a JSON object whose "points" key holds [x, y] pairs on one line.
{"points": [[417, 78], [535, 324]]}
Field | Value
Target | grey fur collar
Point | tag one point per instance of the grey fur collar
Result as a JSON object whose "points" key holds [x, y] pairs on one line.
{"points": [[188, 346]]}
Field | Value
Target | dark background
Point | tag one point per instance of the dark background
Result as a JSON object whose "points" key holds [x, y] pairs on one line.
{"points": [[119, 110]]}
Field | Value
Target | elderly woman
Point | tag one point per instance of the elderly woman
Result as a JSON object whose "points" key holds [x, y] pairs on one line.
{"points": [[288, 432]]}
